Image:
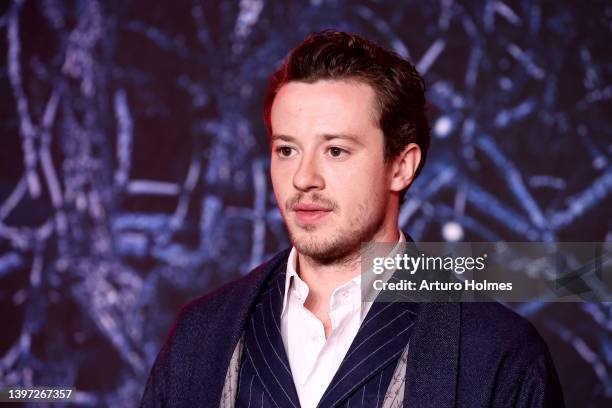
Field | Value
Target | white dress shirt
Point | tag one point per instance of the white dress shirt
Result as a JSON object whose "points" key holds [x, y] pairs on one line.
{"points": [[313, 359]]}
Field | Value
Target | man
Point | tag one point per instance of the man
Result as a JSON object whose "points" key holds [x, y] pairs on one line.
{"points": [[348, 135]]}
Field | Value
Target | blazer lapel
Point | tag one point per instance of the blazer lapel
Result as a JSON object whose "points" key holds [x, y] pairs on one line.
{"points": [[433, 359], [265, 348], [382, 337]]}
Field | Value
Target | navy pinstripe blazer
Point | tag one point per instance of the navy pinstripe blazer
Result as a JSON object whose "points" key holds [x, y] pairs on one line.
{"points": [[461, 354]]}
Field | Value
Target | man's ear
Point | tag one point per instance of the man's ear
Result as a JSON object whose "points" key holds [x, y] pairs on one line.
{"points": [[405, 166]]}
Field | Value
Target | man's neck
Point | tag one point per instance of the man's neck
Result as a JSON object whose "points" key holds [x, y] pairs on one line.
{"points": [[323, 278]]}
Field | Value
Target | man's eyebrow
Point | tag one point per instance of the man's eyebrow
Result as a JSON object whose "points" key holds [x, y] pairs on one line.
{"points": [[326, 137], [352, 138], [283, 137]]}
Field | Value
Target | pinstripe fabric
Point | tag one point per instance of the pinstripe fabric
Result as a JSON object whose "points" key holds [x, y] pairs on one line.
{"points": [[265, 376], [361, 380], [392, 398], [364, 375]]}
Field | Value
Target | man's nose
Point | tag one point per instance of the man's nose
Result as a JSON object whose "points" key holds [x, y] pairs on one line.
{"points": [[308, 177]]}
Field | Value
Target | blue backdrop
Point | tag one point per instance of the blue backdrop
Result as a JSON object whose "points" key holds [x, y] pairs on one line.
{"points": [[134, 163]]}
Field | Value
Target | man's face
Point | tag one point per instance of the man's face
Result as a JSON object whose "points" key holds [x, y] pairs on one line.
{"points": [[328, 169]]}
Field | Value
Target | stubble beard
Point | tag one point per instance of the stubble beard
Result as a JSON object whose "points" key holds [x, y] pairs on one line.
{"points": [[343, 245]]}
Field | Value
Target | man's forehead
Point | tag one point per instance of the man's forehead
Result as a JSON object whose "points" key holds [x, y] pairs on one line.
{"points": [[333, 109]]}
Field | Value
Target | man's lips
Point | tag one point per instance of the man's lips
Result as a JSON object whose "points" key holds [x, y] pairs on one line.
{"points": [[310, 207], [310, 213]]}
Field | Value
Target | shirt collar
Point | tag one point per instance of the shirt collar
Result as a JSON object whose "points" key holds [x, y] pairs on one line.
{"points": [[302, 288]]}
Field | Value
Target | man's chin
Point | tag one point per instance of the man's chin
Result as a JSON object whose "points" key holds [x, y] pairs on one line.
{"points": [[309, 235], [323, 249]]}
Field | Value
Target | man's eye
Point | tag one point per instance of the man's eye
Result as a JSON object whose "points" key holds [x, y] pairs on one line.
{"points": [[336, 151], [284, 151]]}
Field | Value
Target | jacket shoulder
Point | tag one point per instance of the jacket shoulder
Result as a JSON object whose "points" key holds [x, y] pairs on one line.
{"points": [[228, 296], [493, 326], [503, 356], [211, 322]]}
